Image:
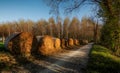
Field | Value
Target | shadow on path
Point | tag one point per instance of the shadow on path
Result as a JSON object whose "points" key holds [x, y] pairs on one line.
{"points": [[30, 66]]}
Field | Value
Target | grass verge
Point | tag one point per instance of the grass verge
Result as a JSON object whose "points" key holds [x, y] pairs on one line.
{"points": [[102, 61]]}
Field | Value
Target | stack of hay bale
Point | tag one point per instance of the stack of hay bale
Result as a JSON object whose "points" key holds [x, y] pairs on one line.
{"points": [[84, 42], [57, 43], [76, 42], [46, 45], [63, 41], [70, 42], [20, 43], [25, 44]]}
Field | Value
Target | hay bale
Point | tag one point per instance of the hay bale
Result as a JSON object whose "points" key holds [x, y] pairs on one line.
{"points": [[84, 42], [46, 45], [57, 43], [20, 43], [76, 42], [70, 42], [63, 43]]}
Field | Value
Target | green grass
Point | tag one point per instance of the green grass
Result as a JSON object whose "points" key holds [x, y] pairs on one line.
{"points": [[2, 48], [103, 61], [1, 45]]}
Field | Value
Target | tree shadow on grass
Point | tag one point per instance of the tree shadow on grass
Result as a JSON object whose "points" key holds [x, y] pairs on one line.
{"points": [[100, 64]]}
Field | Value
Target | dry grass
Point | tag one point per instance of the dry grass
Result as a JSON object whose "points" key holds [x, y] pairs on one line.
{"points": [[21, 44], [7, 58], [46, 45]]}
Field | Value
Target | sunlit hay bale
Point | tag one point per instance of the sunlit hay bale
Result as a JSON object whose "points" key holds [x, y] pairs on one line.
{"points": [[46, 45], [57, 43], [76, 42], [63, 43], [20, 44], [70, 42], [84, 42]]}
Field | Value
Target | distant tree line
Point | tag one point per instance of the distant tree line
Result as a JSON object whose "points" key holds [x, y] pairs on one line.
{"points": [[108, 10], [74, 28]]}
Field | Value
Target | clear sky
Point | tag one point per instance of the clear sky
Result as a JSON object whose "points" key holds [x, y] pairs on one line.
{"points": [[14, 10]]}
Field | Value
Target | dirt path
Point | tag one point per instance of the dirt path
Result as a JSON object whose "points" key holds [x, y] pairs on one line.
{"points": [[69, 62], [72, 61]]}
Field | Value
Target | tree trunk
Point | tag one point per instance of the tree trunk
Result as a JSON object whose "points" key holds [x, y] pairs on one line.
{"points": [[3, 38]]}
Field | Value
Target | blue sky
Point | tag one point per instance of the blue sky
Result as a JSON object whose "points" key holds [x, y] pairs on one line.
{"points": [[14, 10]]}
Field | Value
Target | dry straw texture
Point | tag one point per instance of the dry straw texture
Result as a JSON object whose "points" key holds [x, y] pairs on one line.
{"points": [[46, 45], [21, 44], [57, 43], [70, 42]]}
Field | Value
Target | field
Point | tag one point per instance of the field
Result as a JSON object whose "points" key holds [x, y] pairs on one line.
{"points": [[103, 61]]}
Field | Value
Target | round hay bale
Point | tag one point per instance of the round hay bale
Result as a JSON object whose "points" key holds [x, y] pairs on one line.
{"points": [[76, 42], [85, 41], [70, 42], [20, 43], [46, 45], [63, 43], [57, 43]]}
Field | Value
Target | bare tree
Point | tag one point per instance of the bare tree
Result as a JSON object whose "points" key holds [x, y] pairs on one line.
{"points": [[65, 27]]}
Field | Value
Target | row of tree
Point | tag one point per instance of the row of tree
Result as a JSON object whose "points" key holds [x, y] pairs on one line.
{"points": [[84, 29], [108, 10]]}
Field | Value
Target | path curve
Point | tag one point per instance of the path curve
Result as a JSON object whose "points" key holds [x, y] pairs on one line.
{"points": [[68, 62], [71, 61]]}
